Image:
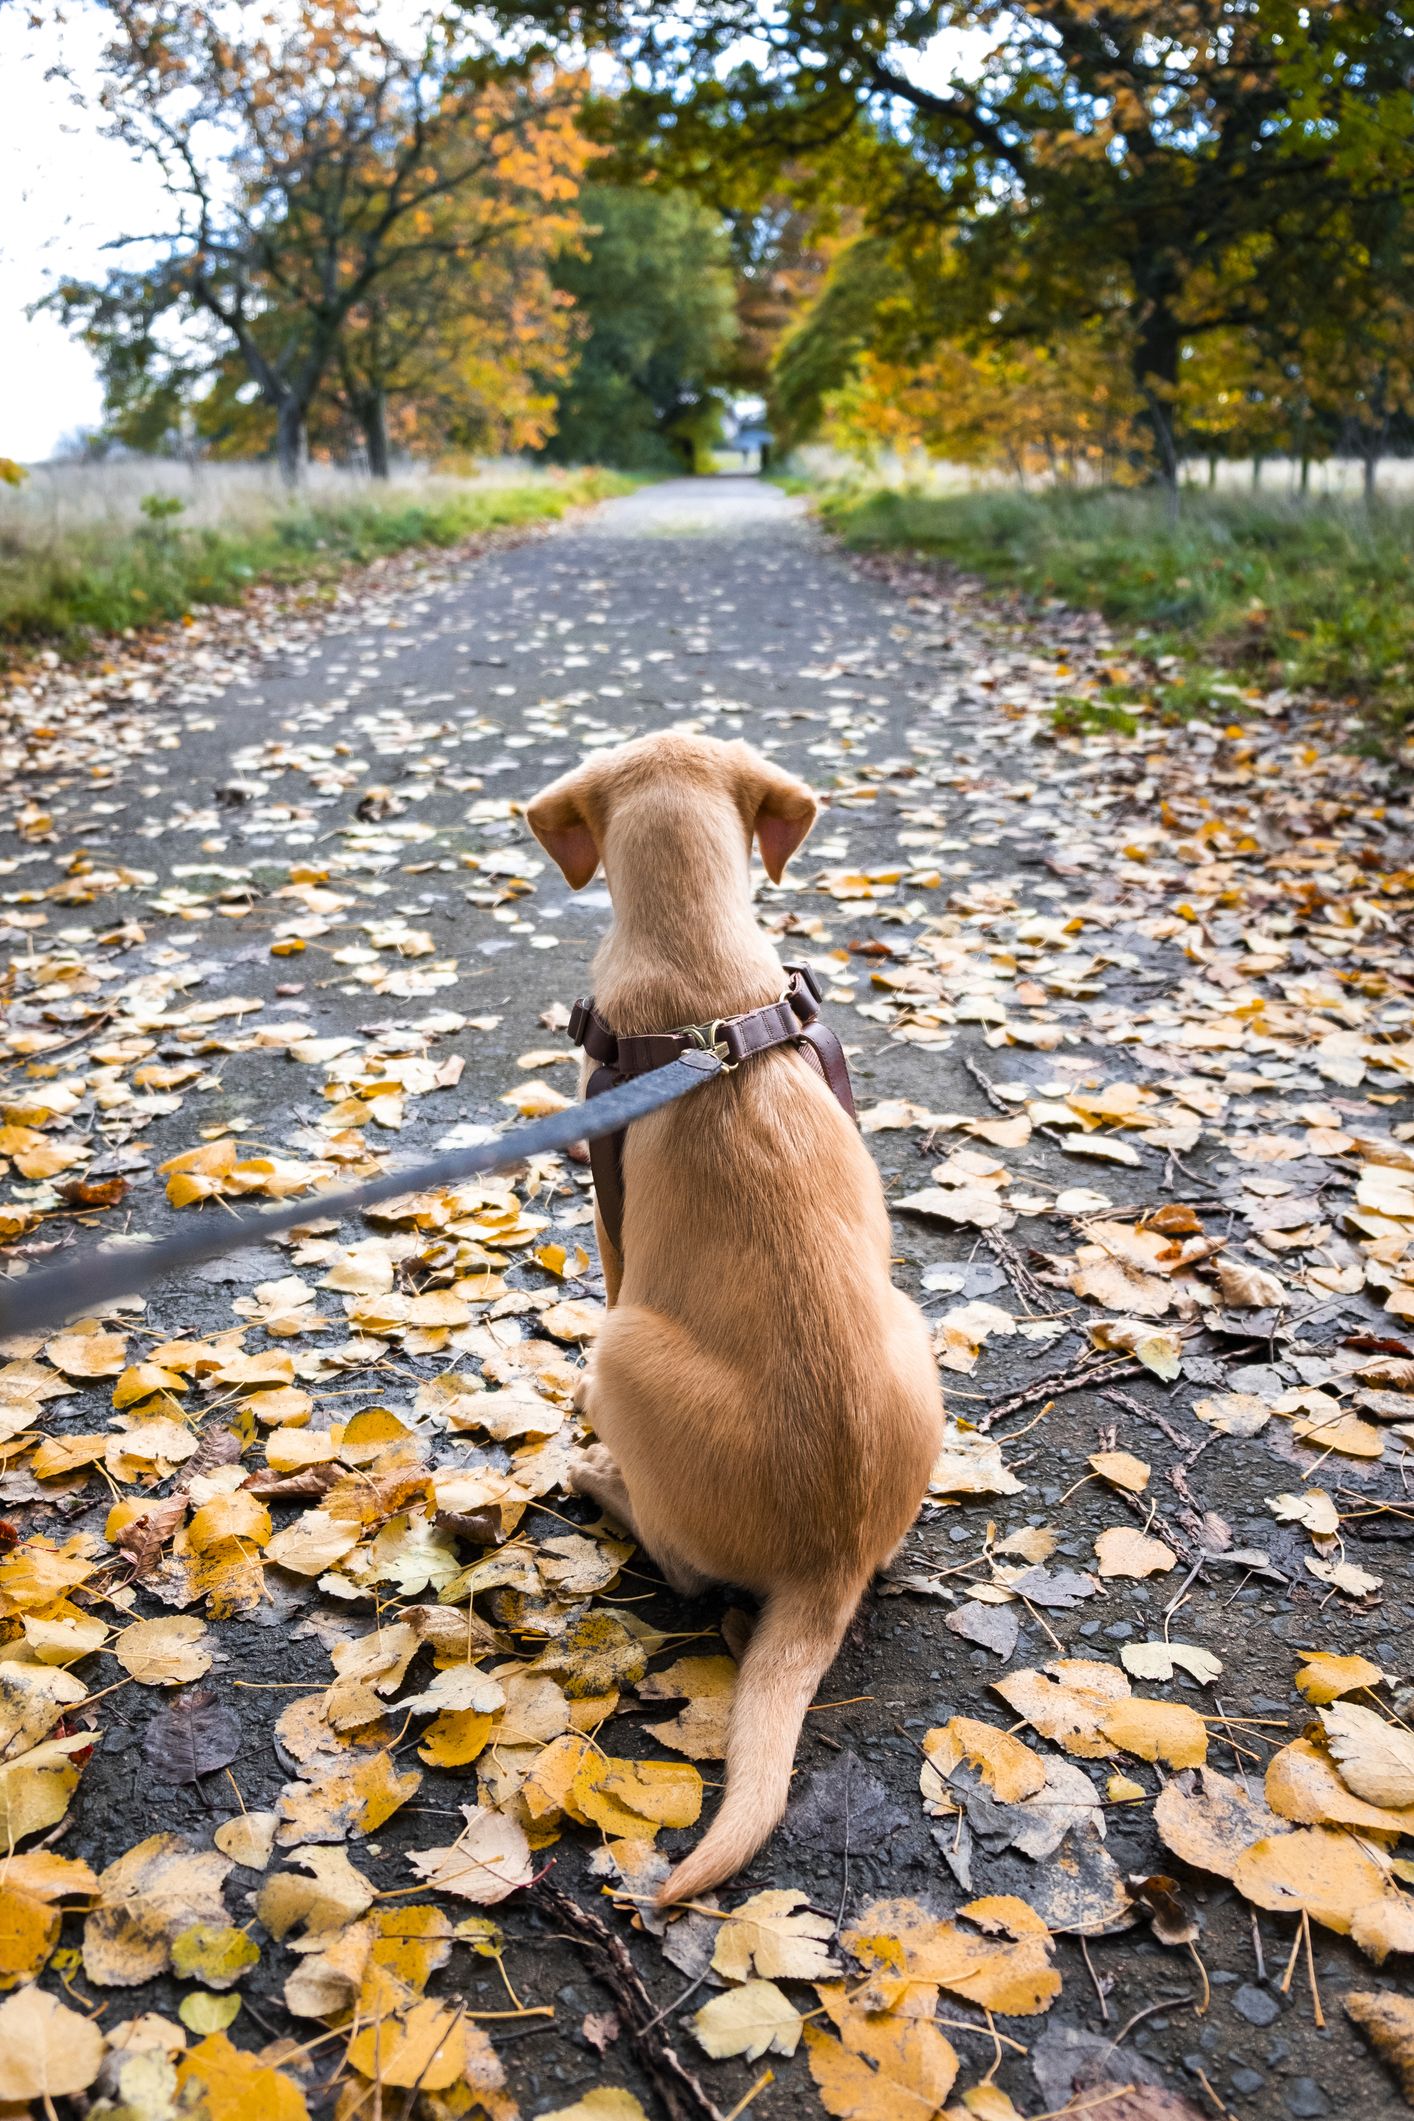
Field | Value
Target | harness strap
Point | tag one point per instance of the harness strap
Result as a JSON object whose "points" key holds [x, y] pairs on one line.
{"points": [[793, 1020]]}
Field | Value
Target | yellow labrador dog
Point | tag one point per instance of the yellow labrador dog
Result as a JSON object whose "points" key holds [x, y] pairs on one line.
{"points": [[766, 1401]]}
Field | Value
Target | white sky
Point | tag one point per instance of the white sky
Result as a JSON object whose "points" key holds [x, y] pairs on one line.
{"points": [[65, 193]]}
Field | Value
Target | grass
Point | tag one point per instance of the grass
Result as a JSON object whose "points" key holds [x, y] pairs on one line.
{"points": [[92, 550], [1241, 590]]}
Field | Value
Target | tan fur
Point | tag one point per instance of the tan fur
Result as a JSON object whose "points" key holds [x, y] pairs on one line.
{"points": [[767, 1402]]}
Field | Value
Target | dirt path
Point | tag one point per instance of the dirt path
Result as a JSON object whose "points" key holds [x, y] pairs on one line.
{"points": [[267, 897]]}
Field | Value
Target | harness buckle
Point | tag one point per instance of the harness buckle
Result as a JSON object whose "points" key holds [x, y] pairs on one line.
{"points": [[711, 1038]]}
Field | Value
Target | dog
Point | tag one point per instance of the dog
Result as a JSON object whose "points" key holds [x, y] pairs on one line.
{"points": [[766, 1403]]}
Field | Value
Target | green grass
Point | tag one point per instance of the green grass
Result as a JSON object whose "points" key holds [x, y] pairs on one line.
{"points": [[1241, 590], [64, 582]]}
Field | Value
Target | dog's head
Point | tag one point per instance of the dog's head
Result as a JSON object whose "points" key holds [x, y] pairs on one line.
{"points": [[677, 794]]}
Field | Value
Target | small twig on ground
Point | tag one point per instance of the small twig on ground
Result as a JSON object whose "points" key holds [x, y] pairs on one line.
{"points": [[608, 1959], [1082, 1376], [987, 1087], [1095, 1981], [1016, 1270]]}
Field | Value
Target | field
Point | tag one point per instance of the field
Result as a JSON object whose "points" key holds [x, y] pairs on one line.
{"points": [[1236, 587], [87, 550]]}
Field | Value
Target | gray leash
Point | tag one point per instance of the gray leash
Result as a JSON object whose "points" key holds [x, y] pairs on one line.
{"points": [[34, 1303]]}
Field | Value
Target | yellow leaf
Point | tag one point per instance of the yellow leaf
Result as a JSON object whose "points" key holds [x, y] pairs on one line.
{"points": [[159, 1888], [1122, 1469], [884, 2069], [1123, 1550], [489, 1859], [1210, 1826], [777, 1934], [88, 1354], [1302, 1785], [455, 1738], [241, 1516], [707, 1683], [348, 1797], [424, 2047], [1010, 1769], [1375, 1758], [214, 1953], [1156, 1347], [606, 2103], [248, 1839], [29, 1931], [1316, 1868], [1157, 1730], [1387, 2021], [621, 1796], [46, 2050], [36, 1787], [1324, 1677], [164, 1652], [749, 2021], [1067, 1701], [203, 2013], [333, 1894], [901, 1945], [231, 2085]]}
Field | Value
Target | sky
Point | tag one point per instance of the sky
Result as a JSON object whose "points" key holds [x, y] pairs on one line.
{"points": [[66, 193]]}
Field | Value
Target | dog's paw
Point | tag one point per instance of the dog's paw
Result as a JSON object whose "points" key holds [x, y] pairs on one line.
{"points": [[588, 1468]]}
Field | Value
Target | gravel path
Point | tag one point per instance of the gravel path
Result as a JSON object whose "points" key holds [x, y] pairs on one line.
{"points": [[315, 811]]}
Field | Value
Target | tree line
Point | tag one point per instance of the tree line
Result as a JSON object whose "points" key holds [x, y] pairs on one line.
{"points": [[1054, 234]]}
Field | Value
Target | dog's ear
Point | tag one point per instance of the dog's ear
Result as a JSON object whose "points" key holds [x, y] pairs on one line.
{"points": [[785, 811], [556, 817]]}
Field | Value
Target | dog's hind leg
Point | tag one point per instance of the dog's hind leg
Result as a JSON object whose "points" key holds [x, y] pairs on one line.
{"points": [[594, 1474]]}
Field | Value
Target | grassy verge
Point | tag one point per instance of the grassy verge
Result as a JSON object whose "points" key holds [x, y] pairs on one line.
{"points": [[1240, 590], [65, 580]]}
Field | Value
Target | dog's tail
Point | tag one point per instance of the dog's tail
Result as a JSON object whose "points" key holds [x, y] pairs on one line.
{"points": [[793, 1647]]}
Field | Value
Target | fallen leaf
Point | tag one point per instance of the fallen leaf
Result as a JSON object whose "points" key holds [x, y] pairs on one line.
{"points": [[165, 1652], [1387, 2021], [777, 1935], [706, 1683], [230, 2085], [1067, 1701], [160, 1887], [1324, 1676], [1123, 1550], [1121, 1469], [1009, 1769], [489, 1859], [1157, 1730], [1375, 1758], [1160, 1660], [193, 1735], [47, 2051], [749, 2021], [1212, 1822], [881, 2068]]}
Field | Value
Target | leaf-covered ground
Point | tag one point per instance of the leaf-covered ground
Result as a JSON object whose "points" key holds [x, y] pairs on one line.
{"points": [[339, 1749]]}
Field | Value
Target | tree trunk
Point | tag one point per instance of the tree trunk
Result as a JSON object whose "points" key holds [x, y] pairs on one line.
{"points": [[1372, 464], [1257, 462], [1212, 470], [291, 442], [1305, 486], [1156, 358], [373, 419]]}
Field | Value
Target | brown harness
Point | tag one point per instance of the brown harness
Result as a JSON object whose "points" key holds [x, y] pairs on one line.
{"points": [[792, 1021]]}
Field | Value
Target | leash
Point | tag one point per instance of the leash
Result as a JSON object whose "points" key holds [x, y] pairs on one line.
{"points": [[34, 1303]]}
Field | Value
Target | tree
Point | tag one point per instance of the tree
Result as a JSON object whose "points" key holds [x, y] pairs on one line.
{"points": [[654, 290], [1088, 154], [331, 189]]}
